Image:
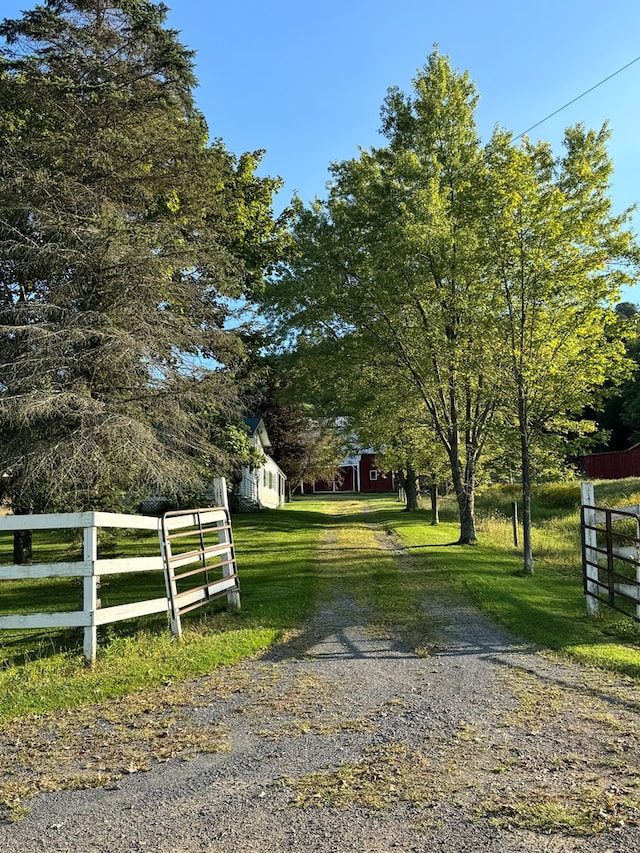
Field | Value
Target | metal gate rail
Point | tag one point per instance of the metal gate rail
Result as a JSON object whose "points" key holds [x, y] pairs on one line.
{"points": [[611, 558], [212, 561]]}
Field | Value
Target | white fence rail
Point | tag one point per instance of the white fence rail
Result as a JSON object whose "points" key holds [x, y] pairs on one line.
{"points": [[90, 569]]}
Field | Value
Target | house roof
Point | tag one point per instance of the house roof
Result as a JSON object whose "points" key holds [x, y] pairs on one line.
{"points": [[256, 426], [253, 424]]}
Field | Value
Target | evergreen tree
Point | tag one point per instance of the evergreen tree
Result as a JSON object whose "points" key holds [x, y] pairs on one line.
{"points": [[124, 234]]}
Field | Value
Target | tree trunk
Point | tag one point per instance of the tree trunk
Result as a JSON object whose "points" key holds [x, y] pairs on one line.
{"points": [[411, 491], [435, 508], [465, 495], [526, 504], [22, 547]]}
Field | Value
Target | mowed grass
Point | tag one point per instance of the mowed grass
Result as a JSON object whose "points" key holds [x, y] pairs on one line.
{"points": [[548, 608], [42, 671], [320, 548], [354, 561]]}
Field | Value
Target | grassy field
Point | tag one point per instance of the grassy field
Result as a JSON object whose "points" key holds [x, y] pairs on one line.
{"points": [[283, 571], [548, 608]]}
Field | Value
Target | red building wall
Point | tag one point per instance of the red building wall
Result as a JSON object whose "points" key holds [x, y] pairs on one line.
{"points": [[371, 479], [344, 483], [379, 481], [614, 465]]}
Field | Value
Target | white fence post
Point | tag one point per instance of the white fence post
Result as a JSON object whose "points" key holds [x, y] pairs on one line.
{"points": [[590, 554], [220, 492], [90, 594]]}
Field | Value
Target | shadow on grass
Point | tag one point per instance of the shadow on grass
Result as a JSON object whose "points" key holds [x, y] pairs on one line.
{"points": [[280, 582]]}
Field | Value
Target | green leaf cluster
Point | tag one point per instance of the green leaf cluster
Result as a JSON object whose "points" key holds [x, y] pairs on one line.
{"points": [[459, 289]]}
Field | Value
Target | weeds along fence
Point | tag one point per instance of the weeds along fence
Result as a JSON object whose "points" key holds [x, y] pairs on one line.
{"points": [[202, 561]]}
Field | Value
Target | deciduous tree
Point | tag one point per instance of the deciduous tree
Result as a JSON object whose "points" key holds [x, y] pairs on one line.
{"points": [[390, 260], [306, 445], [551, 246]]}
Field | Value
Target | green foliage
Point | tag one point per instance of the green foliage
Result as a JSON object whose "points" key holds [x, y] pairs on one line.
{"points": [[549, 243], [112, 297], [306, 445], [498, 499], [622, 492], [385, 277], [546, 498], [557, 496], [470, 287]]}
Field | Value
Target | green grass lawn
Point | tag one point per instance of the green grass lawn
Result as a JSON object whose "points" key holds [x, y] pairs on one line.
{"points": [[548, 608], [43, 670], [282, 573]]}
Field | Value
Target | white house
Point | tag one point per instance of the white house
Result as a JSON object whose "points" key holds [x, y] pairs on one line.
{"points": [[261, 486]]}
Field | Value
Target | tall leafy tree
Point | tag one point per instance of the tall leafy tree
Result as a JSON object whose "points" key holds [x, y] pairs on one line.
{"points": [[399, 429], [374, 409], [551, 243], [306, 445], [390, 261], [124, 236]]}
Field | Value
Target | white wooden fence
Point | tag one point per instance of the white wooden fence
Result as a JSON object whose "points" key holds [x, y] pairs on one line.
{"points": [[90, 569]]}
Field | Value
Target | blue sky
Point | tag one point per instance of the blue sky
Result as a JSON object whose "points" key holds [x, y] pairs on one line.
{"points": [[305, 80]]}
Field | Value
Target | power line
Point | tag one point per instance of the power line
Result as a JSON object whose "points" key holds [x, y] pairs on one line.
{"points": [[559, 110]]}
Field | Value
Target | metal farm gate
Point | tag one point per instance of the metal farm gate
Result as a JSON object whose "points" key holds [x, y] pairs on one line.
{"points": [[611, 557], [199, 560]]}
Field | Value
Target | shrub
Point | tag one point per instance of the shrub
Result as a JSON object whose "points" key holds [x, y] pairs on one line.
{"points": [[556, 495]]}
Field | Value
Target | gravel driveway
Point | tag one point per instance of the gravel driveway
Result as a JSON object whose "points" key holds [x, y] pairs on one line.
{"points": [[345, 740]]}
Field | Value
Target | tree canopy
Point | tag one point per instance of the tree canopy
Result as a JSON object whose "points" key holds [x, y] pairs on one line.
{"points": [[125, 234], [306, 445], [475, 281], [550, 239], [390, 260]]}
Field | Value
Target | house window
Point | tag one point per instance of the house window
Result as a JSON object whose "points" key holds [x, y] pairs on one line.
{"points": [[264, 478], [271, 479], [373, 474]]}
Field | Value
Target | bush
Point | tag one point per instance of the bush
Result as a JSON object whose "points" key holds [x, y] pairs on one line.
{"points": [[556, 495]]}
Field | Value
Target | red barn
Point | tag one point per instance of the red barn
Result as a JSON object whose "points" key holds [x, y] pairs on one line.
{"points": [[614, 465], [357, 474]]}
